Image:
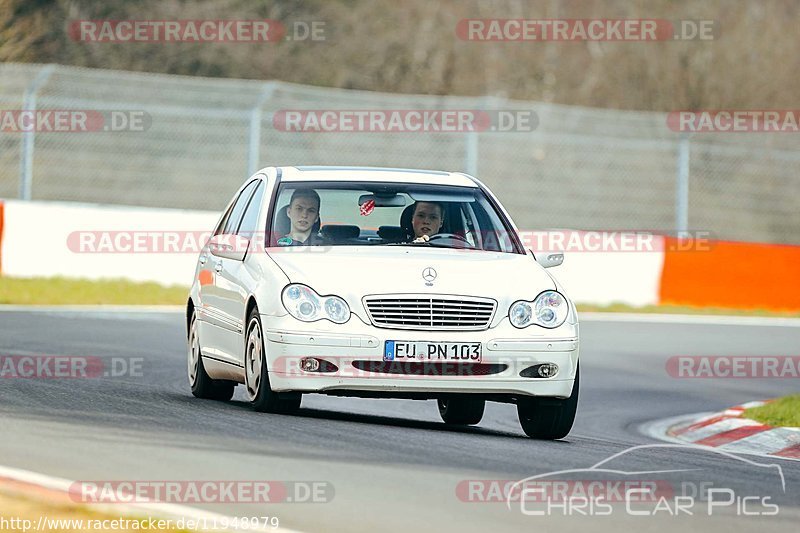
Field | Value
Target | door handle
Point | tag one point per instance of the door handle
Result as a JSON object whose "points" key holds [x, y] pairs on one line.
{"points": [[203, 259], [218, 266]]}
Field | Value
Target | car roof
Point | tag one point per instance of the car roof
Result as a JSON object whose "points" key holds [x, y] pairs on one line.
{"points": [[375, 174]]}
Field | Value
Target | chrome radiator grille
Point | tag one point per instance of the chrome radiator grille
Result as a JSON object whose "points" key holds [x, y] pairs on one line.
{"points": [[430, 312]]}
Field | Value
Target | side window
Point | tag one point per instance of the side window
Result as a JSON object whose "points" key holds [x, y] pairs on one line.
{"points": [[235, 217], [248, 226], [495, 236], [223, 220]]}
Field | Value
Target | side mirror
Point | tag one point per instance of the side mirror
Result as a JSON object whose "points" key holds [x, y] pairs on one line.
{"points": [[549, 259], [229, 246]]}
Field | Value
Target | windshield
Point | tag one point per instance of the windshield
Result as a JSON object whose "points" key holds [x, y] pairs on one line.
{"points": [[388, 214]]}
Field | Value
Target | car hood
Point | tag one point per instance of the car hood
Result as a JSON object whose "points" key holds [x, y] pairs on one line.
{"points": [[357, 271]]}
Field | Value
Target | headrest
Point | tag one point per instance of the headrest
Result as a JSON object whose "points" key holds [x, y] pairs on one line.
{"points": [[392, 233], [405, 220], [340, 232]]}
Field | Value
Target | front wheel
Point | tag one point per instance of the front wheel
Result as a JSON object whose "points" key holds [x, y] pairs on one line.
{"points": [[259, 392], [461, 410], [202, 385], [549, 418]]}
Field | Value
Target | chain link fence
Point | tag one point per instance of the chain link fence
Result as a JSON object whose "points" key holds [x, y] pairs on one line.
{"points": [[579, 168]]}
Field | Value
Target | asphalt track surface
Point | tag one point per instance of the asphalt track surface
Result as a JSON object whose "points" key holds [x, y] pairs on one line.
{"points": [[392, 464]]}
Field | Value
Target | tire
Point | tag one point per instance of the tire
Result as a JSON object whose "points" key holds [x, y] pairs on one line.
{"points": [[202, 385], [461, 410], [256, 377], [549, 418]]}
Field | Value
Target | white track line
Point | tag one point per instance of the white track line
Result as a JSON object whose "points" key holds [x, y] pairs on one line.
{"points": [[161, 510]]}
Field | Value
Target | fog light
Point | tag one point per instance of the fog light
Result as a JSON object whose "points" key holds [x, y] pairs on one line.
{"points": [[548, 370], [309, 364]]}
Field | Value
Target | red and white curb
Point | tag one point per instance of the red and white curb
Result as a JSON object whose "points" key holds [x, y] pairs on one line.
{"points": [[728, 430]]}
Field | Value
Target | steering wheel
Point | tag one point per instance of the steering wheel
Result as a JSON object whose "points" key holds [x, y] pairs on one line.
{"points": [[451, 236]]}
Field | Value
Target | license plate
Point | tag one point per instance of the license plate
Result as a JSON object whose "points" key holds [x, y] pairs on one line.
{"points": [[468, 352]]}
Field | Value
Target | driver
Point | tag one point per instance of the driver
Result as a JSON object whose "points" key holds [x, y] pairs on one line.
{"points": [[426, 220]]}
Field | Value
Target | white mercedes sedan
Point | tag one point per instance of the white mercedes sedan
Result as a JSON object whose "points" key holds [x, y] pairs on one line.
{"points": [[381, 283]]}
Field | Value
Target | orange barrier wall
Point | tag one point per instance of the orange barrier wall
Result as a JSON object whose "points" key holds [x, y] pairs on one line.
{"points": [[732, 274]]}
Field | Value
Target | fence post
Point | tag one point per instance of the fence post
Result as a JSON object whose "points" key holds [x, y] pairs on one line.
{"points": [[682, 189], [471, 154], [254, 147], [471, 142], [26, 155]]}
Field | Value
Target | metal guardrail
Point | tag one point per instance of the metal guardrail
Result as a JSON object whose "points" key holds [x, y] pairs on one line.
{"points": [[580, 168]]}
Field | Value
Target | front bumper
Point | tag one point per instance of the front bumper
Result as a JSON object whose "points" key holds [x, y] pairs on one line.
{"points": [[356, 349]]}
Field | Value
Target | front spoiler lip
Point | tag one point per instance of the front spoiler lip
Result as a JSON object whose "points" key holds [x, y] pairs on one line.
{"points": [[558, 388]]}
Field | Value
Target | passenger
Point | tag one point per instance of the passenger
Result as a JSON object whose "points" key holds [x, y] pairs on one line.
{"points": [[303, 213]]}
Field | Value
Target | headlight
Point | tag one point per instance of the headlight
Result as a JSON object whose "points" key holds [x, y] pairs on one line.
{"points": [[520, 314], [337, 309], [304, 304], [550, 309]]}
